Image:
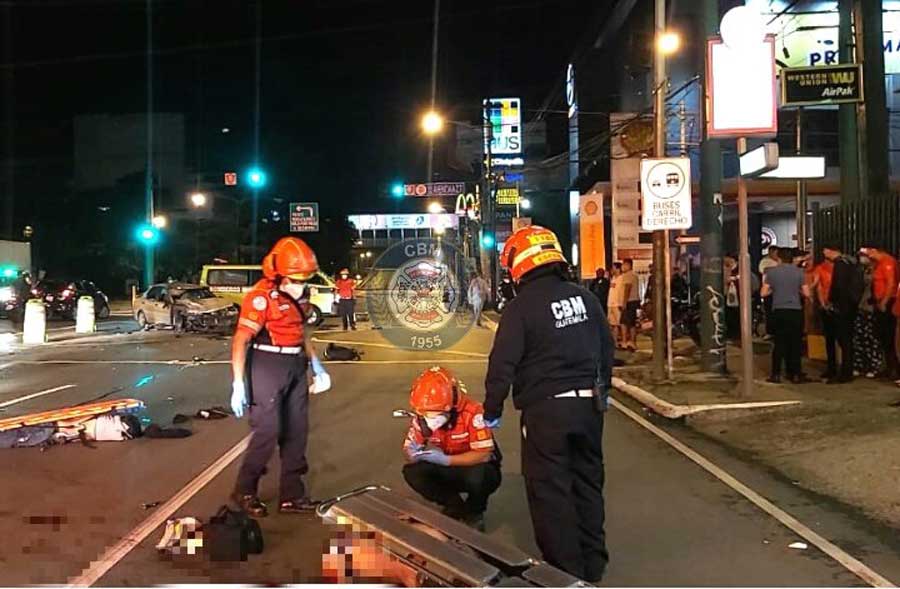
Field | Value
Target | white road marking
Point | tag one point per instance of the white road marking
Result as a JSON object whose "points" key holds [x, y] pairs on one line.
{"points": [[36, 395], [7, 365], [228, 362], [396, 348], [850, 563], [113, 555]]}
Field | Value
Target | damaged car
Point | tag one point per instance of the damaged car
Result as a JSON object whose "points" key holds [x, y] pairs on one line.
{"points": [[184, 307]]}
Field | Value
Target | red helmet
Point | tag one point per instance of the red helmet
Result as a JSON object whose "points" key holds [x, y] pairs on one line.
{"points": [[436, 389], [529, 248], [290, 257]]}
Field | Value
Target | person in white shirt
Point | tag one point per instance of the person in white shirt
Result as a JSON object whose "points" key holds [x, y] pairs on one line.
{"points": [[615, 302]]}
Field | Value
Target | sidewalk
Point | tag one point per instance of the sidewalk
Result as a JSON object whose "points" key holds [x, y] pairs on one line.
{"points": [[842, 441]]}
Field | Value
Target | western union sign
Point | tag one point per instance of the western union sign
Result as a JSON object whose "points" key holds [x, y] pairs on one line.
{"points": [[833, 84], [508, 196]]}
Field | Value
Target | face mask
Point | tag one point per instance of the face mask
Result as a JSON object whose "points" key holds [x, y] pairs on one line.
{"points": [[435, 423], [294, 290], [345, 276]]}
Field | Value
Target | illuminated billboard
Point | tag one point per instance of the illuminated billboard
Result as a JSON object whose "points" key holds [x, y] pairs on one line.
{"points": [[504, 128]]}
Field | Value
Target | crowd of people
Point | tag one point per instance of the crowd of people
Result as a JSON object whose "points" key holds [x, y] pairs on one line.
{"points": [[620, 297], [852, 296]]}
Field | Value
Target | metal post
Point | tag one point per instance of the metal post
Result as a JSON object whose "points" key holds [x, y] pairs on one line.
{"points": [[712, 284], [659, 237], [801, 188], [492, 204], [746, 389], [149, 250], [873, 113], [434, 57], [848, 133]]}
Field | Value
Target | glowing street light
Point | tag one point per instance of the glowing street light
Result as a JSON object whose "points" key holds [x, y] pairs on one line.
{"points": [[198, 199], [432, 123], [435, 208], [159, 221], [668, 43], [525, 204]]}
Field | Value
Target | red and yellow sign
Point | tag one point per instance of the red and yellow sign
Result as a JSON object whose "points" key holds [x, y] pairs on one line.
{"points": [[593, 239]]}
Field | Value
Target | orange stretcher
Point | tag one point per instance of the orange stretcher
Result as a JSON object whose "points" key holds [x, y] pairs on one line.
{"points": [[69, 415]]}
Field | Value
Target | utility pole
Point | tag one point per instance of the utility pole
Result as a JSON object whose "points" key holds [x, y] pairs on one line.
{"points": [[801, 188], [660, 242], [254, 222], [875, 168], [149, 249], [434, 59], [848, 132], [712, 286], [746, 389]]}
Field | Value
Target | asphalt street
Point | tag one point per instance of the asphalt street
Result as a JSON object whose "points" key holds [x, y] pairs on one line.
{"points": [[670, 523]]}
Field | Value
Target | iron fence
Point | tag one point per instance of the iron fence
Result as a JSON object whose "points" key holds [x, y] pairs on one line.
{"points": [[854, 224]]}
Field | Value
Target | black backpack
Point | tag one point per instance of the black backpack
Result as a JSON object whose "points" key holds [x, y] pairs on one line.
{"points": [[341, 353], [232, 535]]}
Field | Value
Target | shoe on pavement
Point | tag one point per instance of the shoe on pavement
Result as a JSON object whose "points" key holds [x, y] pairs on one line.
{"points": [[250, 504], [774, 379], [870, 375], [828, 375], [474, 520], [800, 379], [838, 380], [304, 505]]}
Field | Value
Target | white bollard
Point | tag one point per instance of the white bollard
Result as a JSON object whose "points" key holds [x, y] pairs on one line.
{"points": [[85, 320], [35, 328]]}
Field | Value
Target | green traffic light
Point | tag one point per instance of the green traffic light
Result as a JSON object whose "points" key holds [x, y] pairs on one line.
{"points": [[397, 190], [256, 178], [147, 234]]}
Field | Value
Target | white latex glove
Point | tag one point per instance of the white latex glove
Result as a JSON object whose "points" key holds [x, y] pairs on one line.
{"points": [[321, 379], [238, 398]]}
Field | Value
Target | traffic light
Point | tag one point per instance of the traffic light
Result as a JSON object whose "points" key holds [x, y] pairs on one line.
{"points": [[147, 234], [487, 240], [397, 190], [256, 177]]}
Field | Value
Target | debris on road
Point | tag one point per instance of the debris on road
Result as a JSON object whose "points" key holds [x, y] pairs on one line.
{"points": [[150, 505], [798, 546], [213, 413]]}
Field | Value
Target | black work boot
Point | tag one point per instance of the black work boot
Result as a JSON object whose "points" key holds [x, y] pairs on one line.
{"points": [[304, 505], [250, 504]]}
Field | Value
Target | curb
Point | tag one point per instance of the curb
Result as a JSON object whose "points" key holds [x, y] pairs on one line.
{"points": [[673, 411]]}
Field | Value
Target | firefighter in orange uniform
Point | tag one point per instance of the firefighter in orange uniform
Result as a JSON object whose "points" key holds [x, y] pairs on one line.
{"points": [[449, 449], [271, 362], [346, 288]]}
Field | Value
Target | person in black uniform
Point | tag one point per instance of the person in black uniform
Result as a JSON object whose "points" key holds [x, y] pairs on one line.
{"points": [[554, 348]]}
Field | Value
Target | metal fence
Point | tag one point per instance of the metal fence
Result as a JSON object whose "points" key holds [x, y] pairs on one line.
{"points": [[854, 224]]}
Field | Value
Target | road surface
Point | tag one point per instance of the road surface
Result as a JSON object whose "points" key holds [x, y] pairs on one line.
{"points": [[670, 523]]}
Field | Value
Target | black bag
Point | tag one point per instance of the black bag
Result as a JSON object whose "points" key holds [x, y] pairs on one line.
{"points": [[232, 535], [341, 353]]}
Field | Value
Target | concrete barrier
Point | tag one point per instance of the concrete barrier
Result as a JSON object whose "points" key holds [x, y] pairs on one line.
{"points": [[85, 319], [34, 330]]}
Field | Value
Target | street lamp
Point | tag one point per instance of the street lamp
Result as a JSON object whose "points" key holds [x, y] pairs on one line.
{"points": [[668, 43], [159, 221], [525, 204], [198, 199], [432, 123], [435, 207]]}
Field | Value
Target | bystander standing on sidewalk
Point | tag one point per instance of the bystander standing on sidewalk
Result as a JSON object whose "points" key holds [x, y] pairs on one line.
{"points": [[631, 296], [615, 302], [478, 294], [819, 282], [600, 288], [770, 261], [868, 358], [845, 290], [884, 293], [785, 285]]}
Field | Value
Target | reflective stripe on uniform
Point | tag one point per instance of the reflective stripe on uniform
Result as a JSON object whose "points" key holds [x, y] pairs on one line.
{"points": [[485, 445], [252, 325]]}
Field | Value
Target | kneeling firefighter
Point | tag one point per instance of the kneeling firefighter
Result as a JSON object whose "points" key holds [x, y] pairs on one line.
{"points": [[449, 449], [553, 347], [270, 361]]}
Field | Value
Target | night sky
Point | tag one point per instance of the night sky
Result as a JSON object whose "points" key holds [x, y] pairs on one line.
{"points": [[343, 82]]}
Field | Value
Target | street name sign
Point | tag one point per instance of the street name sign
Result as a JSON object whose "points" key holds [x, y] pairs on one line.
{"points": [[666, 193], [436, 189]]}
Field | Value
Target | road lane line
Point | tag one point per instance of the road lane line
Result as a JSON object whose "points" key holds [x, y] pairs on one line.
{"points": [[228, 362], [36, 395], [113, 555], [848, 562], [396, 348]]}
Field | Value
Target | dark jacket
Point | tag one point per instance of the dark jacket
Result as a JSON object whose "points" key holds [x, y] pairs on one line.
{"points": [[845, 279], [600, 288], [552, 338]]}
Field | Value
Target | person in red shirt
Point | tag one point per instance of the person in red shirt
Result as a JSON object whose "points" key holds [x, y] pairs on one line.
{"points": [[346, 289], [821, 284], [270, 340], [449, 449], [884, 293]]}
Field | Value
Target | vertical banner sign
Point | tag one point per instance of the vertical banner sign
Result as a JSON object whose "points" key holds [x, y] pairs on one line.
{"points": [[304, 217], [666, 193], [742, 90], [632, 139], [504, 115], [592, 246]]}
